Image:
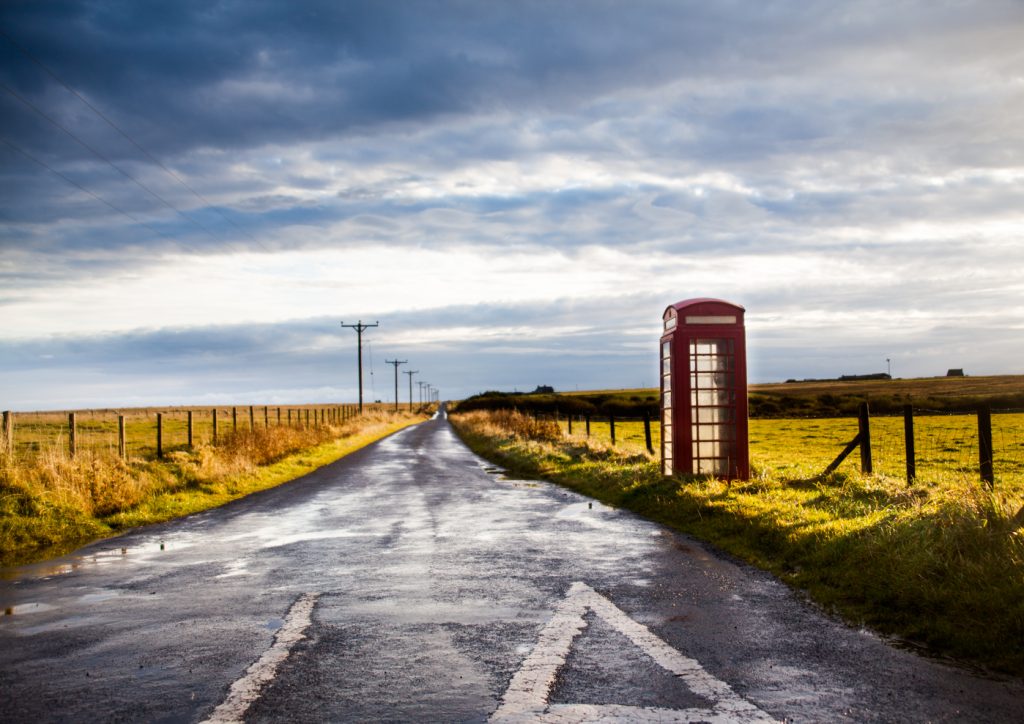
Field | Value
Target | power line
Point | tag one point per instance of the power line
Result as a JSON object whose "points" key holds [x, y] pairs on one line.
{"points": [[99, 198], [131, 140], [106, 160]]}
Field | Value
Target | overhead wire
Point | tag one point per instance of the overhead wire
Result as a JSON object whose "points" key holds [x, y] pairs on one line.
{"points": [[103, 158], [96, 196], [127, 137]]}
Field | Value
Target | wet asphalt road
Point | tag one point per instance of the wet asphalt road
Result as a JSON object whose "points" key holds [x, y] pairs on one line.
{"points": [[437, 590]]}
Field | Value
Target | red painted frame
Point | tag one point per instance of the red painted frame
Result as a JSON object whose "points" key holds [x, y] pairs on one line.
{"points": [[703, 319]]}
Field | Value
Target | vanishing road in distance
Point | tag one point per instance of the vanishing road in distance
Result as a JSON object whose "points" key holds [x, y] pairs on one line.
{"points": [[411, 581]]}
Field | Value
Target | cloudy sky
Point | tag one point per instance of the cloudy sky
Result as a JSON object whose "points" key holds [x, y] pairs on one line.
{"points": [[196, 194]]}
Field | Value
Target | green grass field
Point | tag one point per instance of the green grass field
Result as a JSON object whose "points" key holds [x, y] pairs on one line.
{"points": [[946, 445]]}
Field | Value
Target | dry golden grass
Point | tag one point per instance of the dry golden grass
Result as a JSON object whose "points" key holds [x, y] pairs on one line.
{"points": [[50, 501]]}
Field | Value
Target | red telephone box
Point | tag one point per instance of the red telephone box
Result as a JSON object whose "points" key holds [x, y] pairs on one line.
{"points": [[704, 390]]}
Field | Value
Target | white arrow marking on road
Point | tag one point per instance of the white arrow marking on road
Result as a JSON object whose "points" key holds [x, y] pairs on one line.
{"points": [[526, 699], [247, 689]]}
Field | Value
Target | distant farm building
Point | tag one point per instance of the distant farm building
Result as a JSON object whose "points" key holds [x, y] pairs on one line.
{"points": [[955, 373]]}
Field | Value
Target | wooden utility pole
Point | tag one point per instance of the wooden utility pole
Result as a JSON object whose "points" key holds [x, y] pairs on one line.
{"points": [[985, 444], [410, 373], [396, 362], [359, 327]]}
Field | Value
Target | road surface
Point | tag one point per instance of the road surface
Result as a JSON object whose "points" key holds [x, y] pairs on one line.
{"points": [[411, 581]]}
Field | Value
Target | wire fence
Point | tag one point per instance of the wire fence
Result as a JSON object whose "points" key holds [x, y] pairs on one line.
{"points": [[150, 433], [942, 443]]}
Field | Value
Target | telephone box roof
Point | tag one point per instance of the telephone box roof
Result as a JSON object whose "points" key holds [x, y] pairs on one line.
{"points": [[686, 303]]}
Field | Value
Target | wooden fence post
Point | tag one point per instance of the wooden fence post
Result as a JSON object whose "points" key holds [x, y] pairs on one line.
{"points": [[266, 417], [588, 425], [570, 424], [908, 435], [215, 427], [647, 432], [72, 430], [611, 425], [159, 435], [864, 425], [252, 420], [122, 448], [279, 417], [985, 444], [307, 417], [190, 429], [234, 419], [9, 432]]}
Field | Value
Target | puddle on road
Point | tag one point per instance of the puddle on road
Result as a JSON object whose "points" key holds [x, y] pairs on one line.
{"points": [[26, 608], [591, 512], [91, 596], [235, 568]]}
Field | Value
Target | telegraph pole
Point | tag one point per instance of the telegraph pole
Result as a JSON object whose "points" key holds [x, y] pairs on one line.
{"points": [[410, 373], [396, 362], [359, 327], [420, 385]]}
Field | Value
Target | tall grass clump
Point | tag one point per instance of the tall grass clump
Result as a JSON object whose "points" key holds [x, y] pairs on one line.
{"points": [[938, 564], [51, 503]]}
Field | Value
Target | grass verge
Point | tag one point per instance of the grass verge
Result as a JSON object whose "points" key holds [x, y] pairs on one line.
{"points": [[939, 564], [54, 504]]}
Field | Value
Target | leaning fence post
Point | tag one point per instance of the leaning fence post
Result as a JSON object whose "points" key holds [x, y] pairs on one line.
{"points": [[908, 435], [864, 425], [611, 426], [121, 447], [159, 435], [9, 431], [647, 432], [985, 444], [72, 430]]}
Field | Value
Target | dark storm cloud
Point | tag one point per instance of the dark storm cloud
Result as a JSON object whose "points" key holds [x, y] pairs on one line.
{"points": [[804, 158], [237, 74]]}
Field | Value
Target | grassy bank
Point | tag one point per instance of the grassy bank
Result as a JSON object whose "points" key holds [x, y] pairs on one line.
{"points": [[939, 563], [52, 503]]}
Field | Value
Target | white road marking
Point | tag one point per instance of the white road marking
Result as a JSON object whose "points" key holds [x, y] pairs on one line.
{"points": [[246, 690], [526, 699]]}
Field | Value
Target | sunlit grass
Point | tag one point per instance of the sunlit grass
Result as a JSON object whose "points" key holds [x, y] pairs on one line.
{"points": [[946, 445], [51, 502], [939, 562]]}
